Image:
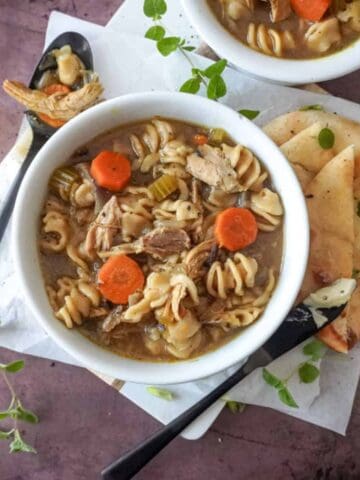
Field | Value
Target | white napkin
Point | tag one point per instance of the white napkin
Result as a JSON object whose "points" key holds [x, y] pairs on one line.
{"points": [[326, 403]]}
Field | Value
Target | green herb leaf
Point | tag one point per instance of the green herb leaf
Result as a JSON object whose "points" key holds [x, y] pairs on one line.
{"points": [[5, 435], [189, 48], [191, 86], [272, 380], [19, 445], [216, 68], [168, 45], [326, 138], [235, 407], [14, 367], [250, 114], [315, 349], [286, 398], [155, 33], [155, 8], [305, 108], [216, 88], [308, 373], [160, 392], [26, 415], [5, 414]]}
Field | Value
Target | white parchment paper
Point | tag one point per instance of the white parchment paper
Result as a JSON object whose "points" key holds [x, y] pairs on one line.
{"points": [[128, 63]]}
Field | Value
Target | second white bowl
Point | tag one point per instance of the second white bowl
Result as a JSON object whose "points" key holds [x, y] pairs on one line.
{"points": [[277, 70]]}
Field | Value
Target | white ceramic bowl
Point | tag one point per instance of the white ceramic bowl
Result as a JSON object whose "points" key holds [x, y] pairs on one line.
{"points": [[128, 109], [277, 70]]}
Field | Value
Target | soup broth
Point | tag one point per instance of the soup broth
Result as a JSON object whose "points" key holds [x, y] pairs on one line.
{"points": [[291, 36], [194, 294]]}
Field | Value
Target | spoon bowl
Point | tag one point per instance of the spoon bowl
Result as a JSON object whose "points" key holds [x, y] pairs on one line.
{"points": [[41, 131], [81, 47]]}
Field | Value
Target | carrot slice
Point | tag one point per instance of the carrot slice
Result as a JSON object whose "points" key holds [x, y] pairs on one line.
{"points": [[312, 10], [235, 228], [50, 90], [111, 170], [119, 277], [200, 139]]}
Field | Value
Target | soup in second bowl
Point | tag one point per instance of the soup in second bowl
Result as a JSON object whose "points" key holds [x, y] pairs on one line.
{"points": [[298, 29], [160, 240]]}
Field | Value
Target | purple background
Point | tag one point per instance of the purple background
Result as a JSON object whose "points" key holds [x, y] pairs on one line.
{"points": [[85, 423]]}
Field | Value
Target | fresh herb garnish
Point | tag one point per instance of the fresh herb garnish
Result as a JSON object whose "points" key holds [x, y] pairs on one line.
{"points": [[160, 392], [210, 78], [234, 406], [305, 108], [250, 114], [15, 412], [326, 138], [307, 372], [279, 385], [315, 349]]}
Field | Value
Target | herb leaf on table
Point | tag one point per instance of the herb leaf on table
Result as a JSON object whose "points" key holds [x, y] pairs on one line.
{"points": [[16, 412]]}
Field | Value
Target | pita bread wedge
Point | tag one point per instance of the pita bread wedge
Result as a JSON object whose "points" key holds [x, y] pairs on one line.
{"points": [[329, 197], [346, 132], [304, 149], [304, 176]]}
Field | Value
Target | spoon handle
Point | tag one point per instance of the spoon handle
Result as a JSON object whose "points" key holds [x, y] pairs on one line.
{"points": [[9, 202], [133, 461]]}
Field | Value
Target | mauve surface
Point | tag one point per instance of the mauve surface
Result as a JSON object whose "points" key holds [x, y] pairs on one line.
{"points": [[84, 423]]}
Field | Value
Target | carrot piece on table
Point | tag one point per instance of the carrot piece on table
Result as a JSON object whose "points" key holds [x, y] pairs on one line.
{"points": [[119, 277], [235, 228], [50, 90], [200, 139], [312, 10], [111, 170]]}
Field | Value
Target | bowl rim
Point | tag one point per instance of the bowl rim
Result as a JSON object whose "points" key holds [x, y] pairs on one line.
{"points": [[257, 64], [294, 256]]}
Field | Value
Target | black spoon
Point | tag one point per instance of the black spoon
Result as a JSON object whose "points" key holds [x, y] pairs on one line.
{"points": [[300, 324], [41, 131]]}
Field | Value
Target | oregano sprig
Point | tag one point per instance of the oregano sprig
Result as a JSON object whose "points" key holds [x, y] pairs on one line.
{"points": [[210, 78], [15, 412], [307, 372]]}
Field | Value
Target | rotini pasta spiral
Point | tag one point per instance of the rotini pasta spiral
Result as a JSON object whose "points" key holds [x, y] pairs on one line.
{"points": [[137, 215], [238, 317], [146, 147], [249, 172], [83, 194], [57, 231], [175, 151], [78, 304], [234, 276], [269, 40], [267, 208], [180, 210]]}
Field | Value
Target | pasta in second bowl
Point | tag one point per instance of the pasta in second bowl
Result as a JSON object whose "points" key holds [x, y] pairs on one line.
{"points": [[280, 41], [161, 239]]}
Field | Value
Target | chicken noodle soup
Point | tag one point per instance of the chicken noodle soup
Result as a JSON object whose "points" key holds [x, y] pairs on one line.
{"points": [[161, 240], [291, 28]]}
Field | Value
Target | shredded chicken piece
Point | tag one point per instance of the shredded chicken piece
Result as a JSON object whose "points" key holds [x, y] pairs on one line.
{"points": [[102, 231], [212, 168], [162, 242], [113, 319], [58, 106], [280, 10], [196, 258]]}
